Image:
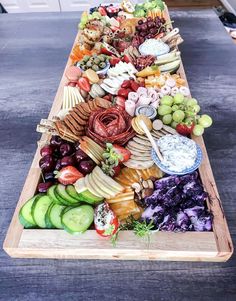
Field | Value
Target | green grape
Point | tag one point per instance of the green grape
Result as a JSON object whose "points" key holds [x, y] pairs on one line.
{"points": [[164, 110], [178, 116], [178, 98], [188, 120], [196, 108], [191, 102], [175, 108], [167, 100], [173, 124], [198, 130], [205, 121], [190, 114], [167, 119]]}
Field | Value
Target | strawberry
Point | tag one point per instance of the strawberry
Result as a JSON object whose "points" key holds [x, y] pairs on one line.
{"points": [[126, 59], [102, 11], [68, 175], [105, 221], [114, 60], [184, 129], [126, 84], [124, 92], [134, 85], [123, 152], [84, 84]]}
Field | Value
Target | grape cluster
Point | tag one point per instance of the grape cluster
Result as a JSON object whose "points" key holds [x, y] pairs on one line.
{"points": [[58, 154], [150, 27], [178, 109]]}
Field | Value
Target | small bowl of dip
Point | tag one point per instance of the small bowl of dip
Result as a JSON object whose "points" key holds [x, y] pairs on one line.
{"points": [[153, 47], [181, 155]]}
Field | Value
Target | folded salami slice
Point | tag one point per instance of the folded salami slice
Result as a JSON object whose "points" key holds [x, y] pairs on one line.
{"points": [[110, 125]]}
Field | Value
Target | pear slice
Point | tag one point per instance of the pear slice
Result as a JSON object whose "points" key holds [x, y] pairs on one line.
{"points": [[106, 179], [91, 188], [80, 185], [100, 187]]}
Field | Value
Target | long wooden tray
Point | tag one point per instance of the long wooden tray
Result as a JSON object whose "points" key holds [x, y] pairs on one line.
{"points": [[190, 246]]}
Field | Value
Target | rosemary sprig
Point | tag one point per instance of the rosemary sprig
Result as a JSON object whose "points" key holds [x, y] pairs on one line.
{"points": [[141, 229]]}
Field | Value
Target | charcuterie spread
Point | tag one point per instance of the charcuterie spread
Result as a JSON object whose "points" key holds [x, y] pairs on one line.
{"points": [[119, 154]]}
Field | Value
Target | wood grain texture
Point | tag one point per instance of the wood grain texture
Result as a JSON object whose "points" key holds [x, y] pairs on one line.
{"points": [[43, 42]]}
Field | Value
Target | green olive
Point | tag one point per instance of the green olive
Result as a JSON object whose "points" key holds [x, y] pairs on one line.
{"points": [[86, 58], [95, 67], [89, 64], [102, 58], [96, 61], [102, 65]]}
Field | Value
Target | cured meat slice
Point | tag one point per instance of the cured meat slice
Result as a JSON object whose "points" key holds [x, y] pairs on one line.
{"points": [[110, 125]]}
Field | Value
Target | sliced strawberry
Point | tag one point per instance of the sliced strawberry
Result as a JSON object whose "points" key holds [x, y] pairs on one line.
{"points": [[126, 84], [114, 60], [134, 85], [123, 152], [126, 59], [102, 11], [68, 175]]}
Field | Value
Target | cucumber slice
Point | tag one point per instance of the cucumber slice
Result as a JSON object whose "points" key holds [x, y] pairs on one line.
{"points": [[55, 215], [25, 216], [48, 223], [89, 198], [77, 220], [61, 190], [51, 192], [62, 201], [39, 209], [70, 189]]}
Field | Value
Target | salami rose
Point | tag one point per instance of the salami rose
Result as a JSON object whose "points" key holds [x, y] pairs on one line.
{"points": [[110, 125]]}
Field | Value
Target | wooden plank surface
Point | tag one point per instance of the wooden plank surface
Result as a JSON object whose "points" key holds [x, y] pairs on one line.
{"points": [[24, 105]]}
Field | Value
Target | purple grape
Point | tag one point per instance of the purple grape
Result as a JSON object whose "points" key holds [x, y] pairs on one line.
{"points": [[46, 150], [58, 165], [144, 27], [149, 19], [139, 27], [47, 163], [150, 24], [140, 22], [49, 176], [56, 141], [153, 31], [43, 187], [143, 34], [66, 149], [67, 160], [86, 166], [80, 155]]}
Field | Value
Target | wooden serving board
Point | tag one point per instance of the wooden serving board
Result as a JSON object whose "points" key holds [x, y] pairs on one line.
{"points": [[190, 246]]}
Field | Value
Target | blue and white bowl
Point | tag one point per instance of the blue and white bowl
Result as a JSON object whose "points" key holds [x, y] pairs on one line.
{"points": [[183, 172]]}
